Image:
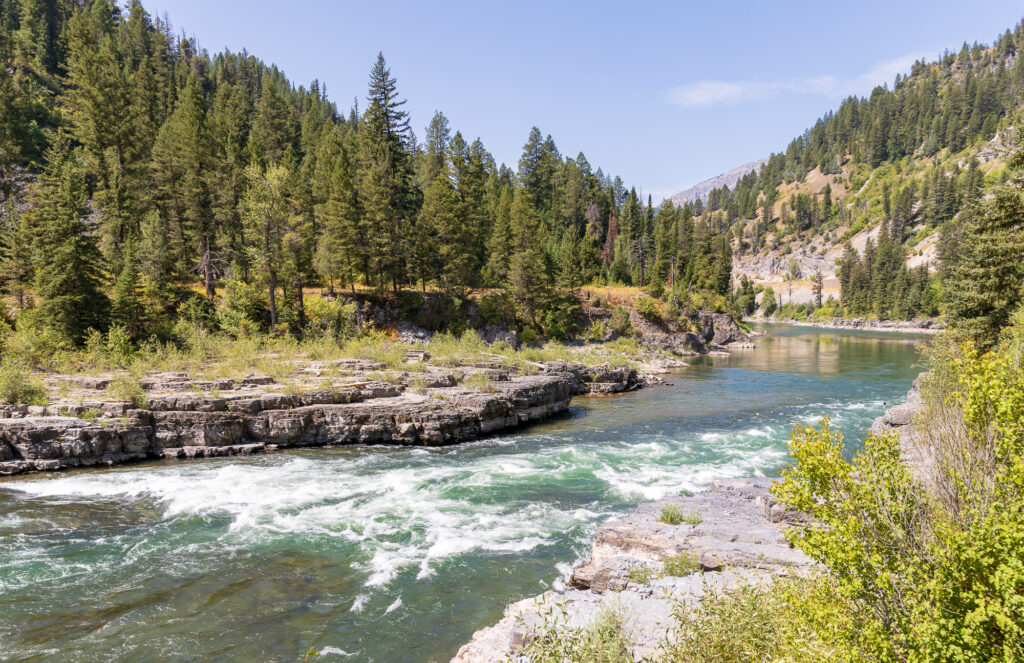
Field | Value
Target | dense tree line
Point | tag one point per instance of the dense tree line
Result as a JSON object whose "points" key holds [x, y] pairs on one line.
{"points": [[879, 282], [160, 166]]}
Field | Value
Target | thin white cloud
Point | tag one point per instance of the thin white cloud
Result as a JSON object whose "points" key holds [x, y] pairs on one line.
{"points": [[704, 94]]}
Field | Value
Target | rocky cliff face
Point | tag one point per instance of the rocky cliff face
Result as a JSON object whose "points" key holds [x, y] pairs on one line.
{"points": [[251, 418], [728, 179], [739, 539]]}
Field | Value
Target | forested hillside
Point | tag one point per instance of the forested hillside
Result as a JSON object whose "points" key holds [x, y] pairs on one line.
{"points": [[145, 180], [871, 203]]}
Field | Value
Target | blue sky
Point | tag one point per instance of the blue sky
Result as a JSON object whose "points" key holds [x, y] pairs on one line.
{"points": [[664, 94]]}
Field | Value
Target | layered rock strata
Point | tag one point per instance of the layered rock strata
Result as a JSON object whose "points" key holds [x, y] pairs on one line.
{"points": [[415, 409]]}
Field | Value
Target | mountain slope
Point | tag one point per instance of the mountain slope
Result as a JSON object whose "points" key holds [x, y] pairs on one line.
{"points": [[729, 179]]}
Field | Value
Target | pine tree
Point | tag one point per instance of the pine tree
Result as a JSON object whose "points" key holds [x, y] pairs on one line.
{"points": [[341, 235], [386, 192], [986, 284], [127, 308], [527, 271], [68, 275], [265, 213]]}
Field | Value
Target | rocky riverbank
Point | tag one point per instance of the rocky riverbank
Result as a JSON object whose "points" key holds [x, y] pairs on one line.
{"points": [[736, 536], [928, 326], [180, 419], [899, 419], [641, 568]]}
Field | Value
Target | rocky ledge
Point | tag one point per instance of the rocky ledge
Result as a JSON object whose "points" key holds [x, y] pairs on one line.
{"points": [[182, 420], [642, 568], [915, 450]]}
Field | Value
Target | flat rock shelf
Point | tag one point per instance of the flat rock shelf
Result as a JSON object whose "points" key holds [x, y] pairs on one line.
{"points": [[739, 539], [254, 415]]}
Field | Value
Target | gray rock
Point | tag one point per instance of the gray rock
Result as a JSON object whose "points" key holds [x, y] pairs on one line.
{"points": [[181, 426]]}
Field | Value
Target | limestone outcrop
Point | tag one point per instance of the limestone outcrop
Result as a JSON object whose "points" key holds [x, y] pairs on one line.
{"points": [[424, 408], [735, 535]]}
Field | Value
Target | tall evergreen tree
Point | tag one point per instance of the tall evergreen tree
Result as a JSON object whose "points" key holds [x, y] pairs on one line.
{"points": [[386, 191], [68, 275]]}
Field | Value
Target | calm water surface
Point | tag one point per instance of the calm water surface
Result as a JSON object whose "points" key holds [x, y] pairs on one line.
{"points": [[397, 555]]}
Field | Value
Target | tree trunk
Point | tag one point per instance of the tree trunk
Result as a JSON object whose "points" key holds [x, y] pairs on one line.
{"points": [[208, 268], [300, 305], [273, 298]]}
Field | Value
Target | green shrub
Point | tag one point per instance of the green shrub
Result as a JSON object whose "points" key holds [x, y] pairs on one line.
{"points": [[648, 309], [619, 322], [18, 386], [242, 309], [680, 565], [480, 381], [527, 336], [332, 318], [640, 574], [932, 567], [128, 388], [671, 514], [31, 342], [409, 303], [793, 619], [562, 317], [604, 641], [596, 332], [200, 311], [497, 309]]}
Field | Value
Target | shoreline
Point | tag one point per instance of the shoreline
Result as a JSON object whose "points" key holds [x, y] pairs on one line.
{"points": [[738, 540], [641, 568], [256, 415], [860, 324]]}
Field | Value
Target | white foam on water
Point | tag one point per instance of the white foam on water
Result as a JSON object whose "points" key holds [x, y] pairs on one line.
{"points": [[399, 515], [359, 603], [334, 651]]}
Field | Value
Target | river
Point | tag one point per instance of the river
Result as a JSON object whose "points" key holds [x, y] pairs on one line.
{"points": [[397, 555]]}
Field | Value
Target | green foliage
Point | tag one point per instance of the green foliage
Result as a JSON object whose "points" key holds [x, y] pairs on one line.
{"points": [[332, 318], [648, 309], [128, 388], [604, 641], [479, 381], [793, 619], [926, 572], [683, 564], [672, 514], [562, 317], [619, 322], [640, 574], [497, 309], [596, 332], [528, 337], [19, 386], [986, 280]]}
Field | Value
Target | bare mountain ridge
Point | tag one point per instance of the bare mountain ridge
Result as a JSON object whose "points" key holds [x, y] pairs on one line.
{"points": [[728, 179]]}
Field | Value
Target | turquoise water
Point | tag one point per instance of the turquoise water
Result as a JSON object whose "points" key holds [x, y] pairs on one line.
{"points": [[397, 554]]}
